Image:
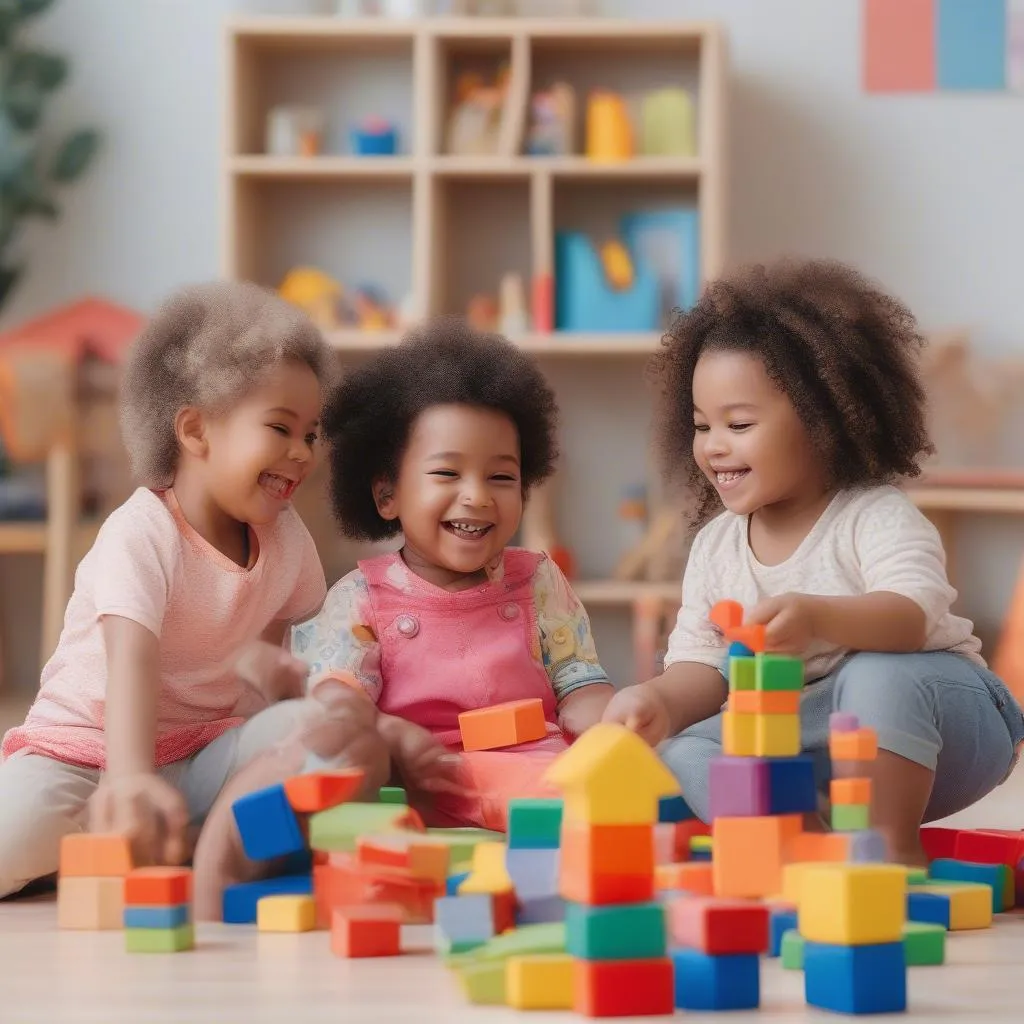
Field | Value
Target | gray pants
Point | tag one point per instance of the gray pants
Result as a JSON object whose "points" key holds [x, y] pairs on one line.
{"points": [[934, 708]]}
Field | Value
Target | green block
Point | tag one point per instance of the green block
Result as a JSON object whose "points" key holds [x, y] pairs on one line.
{"points": [[534, 824], [392, 795], [778, 672], [160, 940], [484, 982], [742, 673], [461, 841], [455, 952], [521, 941], [339, 827], [792, 950], [625, 932], [1008, 895], [924, 944], [850, 817], [917, 876]]}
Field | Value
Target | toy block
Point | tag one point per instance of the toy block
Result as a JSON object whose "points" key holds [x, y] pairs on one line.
{"points": [[817, 847], [345, 882], [503, 725], [373, 930], [791, 952], [685, 832], [860, 745], [852, 904], [158, 887], [726, 615], [634, 931], [318, 791], [534, 873], [607, 863], [488, 873], [540, 910], [160, 940], [739, 787], [924, 944], [849, 791], [465, 918], [752, 637], [483, 982], [738, 650], [664, 843], [339, 827], [917, 876], [240, 901], [284, 913], [850, 817], [95, 855], [717, 926], [988, 847], [969, 905], [610, 776], [998, 876], [855, 979], [742, 675], [462, 840], [927, 907], [454, 881], [791, 785], [90, 904], [393, 795], [539, 982], [866, 847], [157, 917], [706, 982], [674, 809], [776, 735], [267, 824], [843, 721], [429, 861], [693, 878], [764, 702], [779, 672], [505, 904], [738, 734], [623, 988], [385, 851], [783, 919], [738, 874], [534, 824], [525, 941]]}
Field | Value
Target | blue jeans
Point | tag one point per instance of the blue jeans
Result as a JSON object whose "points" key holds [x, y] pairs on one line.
{"points": [[934, 708]]}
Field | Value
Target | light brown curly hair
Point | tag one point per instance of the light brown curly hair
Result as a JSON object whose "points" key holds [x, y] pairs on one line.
{"points": [[842, 350], [208, 346]]}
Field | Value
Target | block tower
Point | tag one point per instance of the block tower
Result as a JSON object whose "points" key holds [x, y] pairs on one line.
{"points": [[615, 930], [158, 910], [90, 886]]}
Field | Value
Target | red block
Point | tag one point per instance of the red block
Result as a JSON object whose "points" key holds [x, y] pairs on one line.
{"points": [[685, 831], [158, 887], [989, 846], [718, 926], [940, 843], [504, 911], [373, 930], [623, 988], [342, 882]]}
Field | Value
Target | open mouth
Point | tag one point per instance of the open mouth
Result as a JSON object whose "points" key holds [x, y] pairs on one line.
{"points": [[279, 487], [729, 478], [467, 530]]}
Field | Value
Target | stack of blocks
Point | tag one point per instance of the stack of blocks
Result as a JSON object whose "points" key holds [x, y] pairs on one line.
{"points": [[532, 859], [157, 910], [850, 798], [90, 887]]}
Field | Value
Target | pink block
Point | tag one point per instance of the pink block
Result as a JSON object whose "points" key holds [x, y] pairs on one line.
{"points": [[740, 787], [899, 45], [843, 721], [664, 843], [719, 926]]}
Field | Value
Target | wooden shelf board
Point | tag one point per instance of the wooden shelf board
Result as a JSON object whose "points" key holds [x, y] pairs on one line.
{"points": [[567, 168], [286, 168], [22, 538], [569, 345], [968, 499], [597, 593]]}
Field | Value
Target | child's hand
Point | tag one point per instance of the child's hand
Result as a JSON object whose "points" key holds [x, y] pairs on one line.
{"points": [[641, 709], [342, 729], [424, 763], [270, 670], [146, 809], [788, 620]]}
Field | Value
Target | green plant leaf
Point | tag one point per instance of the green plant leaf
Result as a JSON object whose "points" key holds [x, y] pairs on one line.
{"points": [[24, 104], [44, 70], [74, 155], [30, 8]]}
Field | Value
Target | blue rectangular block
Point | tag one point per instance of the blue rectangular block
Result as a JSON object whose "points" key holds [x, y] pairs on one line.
{"points": [[697, 855], [791, 785], [780, 922], [971, 44], [267, 824], [948, 870], [856, 979], [928, 908], [672, 809], [727, 982], [534, 873], [157, 917], [464, 918], [239, 902]]}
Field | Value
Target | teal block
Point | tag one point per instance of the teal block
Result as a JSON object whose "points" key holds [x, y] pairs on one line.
{"points": [[633, 931], [778, 672], [742, 673], [971, 44], [534, 824]]}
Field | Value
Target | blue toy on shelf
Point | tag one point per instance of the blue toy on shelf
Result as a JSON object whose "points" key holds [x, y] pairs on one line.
{"points": [[374, 137]]}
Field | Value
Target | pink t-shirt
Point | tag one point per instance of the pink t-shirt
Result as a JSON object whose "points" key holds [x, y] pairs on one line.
{"points": [[150, 566]]}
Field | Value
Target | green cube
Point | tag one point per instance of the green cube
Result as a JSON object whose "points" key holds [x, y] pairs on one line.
{"points": [[160, 940], [917, 876], [792, 950], [626, 932], [924, 944], [742, 673], [454, 953], [851, 817], [339, 827], [778, 672], [534, 824], [483, 982], [392, 795]]}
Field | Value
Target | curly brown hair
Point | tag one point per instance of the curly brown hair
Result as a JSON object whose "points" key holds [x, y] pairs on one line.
{"points": [[843, 351], [369, 417], [208, 346]]}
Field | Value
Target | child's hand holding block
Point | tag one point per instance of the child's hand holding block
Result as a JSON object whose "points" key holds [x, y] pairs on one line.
{"points": [[503, 725]]}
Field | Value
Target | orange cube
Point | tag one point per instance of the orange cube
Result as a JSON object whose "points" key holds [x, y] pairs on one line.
{"points": [[751, 637], [158, 887], [825, 847], [371, 930], [749, 853], [765, 702], [727, 615], [503, 725], [319, 791], [95, 855], [857, 745], [608, 849], [850, 791], [696, 877]]}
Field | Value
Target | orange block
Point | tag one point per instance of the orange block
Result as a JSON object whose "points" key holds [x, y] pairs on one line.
{"points": [[750, 636], [503, 725], [697, 878], [429, 861], [765, 702], [95, 855], [370, 930], [344, 882], [750, 853], [829, 847], [158, 887], [599, 890], [92, 904], [380, 852], [608, 849], [850, 791], [727, 615], [320, 791], [857, 745]]}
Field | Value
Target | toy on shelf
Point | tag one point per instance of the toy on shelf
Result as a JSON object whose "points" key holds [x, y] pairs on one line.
{"points": [[667, 124], [330, 306], [294, 130], [609, 131], [374, 136], [552, 126], [505, 312], [475, 120]]}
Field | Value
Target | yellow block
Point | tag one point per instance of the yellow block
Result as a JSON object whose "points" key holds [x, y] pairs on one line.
{"points": [[283, 913], [970, 903], [776, 735], [853, 904], [488, 874], [792, 880], [738, 734], [541, 981]]}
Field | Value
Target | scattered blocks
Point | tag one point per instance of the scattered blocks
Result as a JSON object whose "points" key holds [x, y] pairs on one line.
{"points": [[855, 979], [539, 982], [483, 982], [503, 725], [240, 902], [338, 828], [286, 913], [998, 876], [368, 931], [317, 791], [534, 873], [267, 824], [958, 906], [708, 982]]}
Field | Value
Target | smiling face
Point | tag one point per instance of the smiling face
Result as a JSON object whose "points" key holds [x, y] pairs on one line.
{"points": [[749, 440], [458, 495]]}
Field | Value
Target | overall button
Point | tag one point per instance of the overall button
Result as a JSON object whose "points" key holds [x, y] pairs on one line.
{"points": [[407, 626], [509, 611]]}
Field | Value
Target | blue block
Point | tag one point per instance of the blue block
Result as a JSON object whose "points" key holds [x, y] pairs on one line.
{"points": [[971, 44], [534, 873], [465, 918], [928, 908], [856, 979], [267, 824], [738, 650], [791, 786], [780, 922], [672, 809], [157, 917], [541, 910], [697, 855], [728, 982], [240, 900], [452, 883], [948, 870]]}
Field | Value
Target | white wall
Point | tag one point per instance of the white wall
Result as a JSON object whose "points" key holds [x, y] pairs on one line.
{"points": [[919, 191]]}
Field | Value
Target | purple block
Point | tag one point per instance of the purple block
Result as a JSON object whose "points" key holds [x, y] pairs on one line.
{"points": [[542, 910], [868, 847], [740, 787], [534, 873], [843, 721]]}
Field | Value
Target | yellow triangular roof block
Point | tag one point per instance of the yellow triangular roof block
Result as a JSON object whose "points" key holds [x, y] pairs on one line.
{"points": [[610, 776]]}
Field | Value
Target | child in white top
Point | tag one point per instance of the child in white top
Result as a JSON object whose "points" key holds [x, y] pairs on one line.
{"points": [[792, 398], [141, 708]]}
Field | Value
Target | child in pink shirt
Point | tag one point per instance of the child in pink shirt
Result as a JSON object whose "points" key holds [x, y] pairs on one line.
{"points": [[141, 709]]}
